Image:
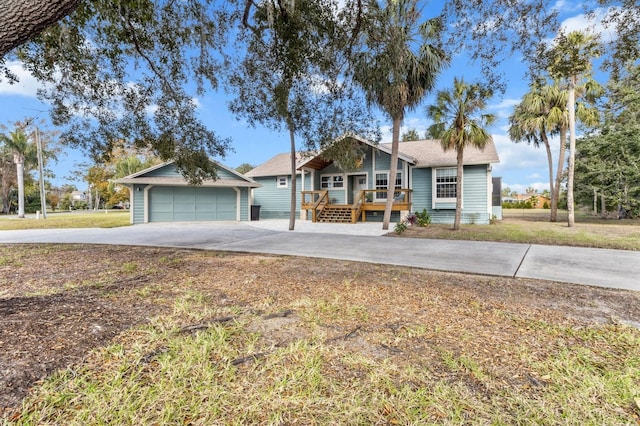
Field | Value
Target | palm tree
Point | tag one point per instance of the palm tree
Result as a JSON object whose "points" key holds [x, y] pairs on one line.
{"points": [[541, 114], [397, 68], [459, 123], [570, 59], [18, 143]]}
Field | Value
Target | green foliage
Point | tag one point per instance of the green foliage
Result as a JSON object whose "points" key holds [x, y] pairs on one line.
{"points": [[423, 218], [607, 159], [90, 58], [347, 153], [290, 76], [397, 66], [459, 122], [410, 135], [244, 168], [400, 227], [518, 205]]}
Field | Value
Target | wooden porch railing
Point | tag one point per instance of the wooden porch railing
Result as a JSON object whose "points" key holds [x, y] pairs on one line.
{"points": [[366, 200], [314, 201]]}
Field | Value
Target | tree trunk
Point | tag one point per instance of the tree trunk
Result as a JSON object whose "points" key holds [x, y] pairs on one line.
{"points": [[572, 151], [20, 177], [456, 221], [5, 186], [393, 171], [559, 174], [547, 146], [24, 19], [292, 209]]}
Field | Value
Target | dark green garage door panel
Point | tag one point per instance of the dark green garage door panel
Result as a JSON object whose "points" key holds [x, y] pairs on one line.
{"points": [[169, 204]]}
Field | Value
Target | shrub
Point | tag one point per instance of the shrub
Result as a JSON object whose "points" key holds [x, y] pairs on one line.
{"points": [[423, 218], [400, 227]]}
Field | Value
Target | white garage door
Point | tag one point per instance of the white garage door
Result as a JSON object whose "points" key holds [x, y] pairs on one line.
{"points": [[188, 204]]}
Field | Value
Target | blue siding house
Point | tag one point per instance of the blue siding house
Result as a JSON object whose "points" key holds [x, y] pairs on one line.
{"points": [[426, 179], [162, 194]]}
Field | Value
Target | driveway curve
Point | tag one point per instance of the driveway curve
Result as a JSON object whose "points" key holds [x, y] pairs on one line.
{"points": [[366, 243]]}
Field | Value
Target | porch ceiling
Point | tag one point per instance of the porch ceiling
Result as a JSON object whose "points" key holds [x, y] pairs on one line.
{"points": [[317, 163]]}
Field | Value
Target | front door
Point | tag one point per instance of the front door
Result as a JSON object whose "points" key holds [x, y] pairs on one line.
{"points": [[359, 184]]}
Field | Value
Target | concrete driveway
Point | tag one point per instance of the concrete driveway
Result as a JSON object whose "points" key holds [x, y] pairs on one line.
{"points": [[366, 243]]}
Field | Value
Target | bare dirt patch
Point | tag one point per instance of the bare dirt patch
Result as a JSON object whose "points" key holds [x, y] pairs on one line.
{"points": [[58, 303]]}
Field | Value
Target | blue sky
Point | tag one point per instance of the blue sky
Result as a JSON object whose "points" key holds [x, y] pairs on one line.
{"points": [[521, 165]]}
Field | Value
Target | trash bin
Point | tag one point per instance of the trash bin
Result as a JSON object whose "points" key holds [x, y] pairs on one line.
{"points": [[255, 212]]}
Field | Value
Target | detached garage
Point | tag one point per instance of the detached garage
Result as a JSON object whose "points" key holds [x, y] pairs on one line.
{"points": [[161, 194]]}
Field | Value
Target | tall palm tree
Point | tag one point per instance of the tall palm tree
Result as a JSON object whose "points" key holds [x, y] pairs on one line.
{"points": [[18, 143], [570, 59], [541, 114], [459, 123], [397, 68], [544, 112]]}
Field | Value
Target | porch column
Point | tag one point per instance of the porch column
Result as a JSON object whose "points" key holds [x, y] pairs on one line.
{"points": [[303, 213]]}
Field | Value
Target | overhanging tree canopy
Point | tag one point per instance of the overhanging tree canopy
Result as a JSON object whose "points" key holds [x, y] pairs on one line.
{"points": [[124, 68]]}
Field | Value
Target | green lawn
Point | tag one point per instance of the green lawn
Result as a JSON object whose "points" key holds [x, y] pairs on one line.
{"points": [[100, 219]]}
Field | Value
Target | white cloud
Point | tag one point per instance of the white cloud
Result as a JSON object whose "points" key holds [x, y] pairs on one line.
{"points": [[505, 108], [26, 86], [593, 24], [415, 122], [566, 6], [508, 103]]}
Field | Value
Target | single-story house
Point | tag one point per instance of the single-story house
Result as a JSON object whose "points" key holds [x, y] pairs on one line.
{"points": [[161, 194], [426, 179]]}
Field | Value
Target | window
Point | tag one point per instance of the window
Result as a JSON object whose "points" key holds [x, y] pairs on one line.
{"points": [[331, 181], [446, 184], [381, 183], [282, 182]]}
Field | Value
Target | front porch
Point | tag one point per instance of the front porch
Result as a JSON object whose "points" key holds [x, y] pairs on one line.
{"points": [[369, 200]]}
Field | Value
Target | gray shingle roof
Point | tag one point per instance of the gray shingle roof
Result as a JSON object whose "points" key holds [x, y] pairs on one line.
{"points": [[180, 181], [429, 153], [280, 165]]}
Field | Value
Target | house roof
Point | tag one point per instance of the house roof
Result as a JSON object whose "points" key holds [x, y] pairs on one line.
{"points": [[141, 178], [317, 162], [280, 165], [423, 153], [177, 181], [429, 153]]}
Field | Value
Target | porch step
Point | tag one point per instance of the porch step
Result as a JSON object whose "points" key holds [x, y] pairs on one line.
{"points": [[335, 214]]}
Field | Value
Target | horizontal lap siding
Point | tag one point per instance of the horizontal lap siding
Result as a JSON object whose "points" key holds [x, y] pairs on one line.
{"points": [[475, 196], [275, 202], [244, 204], [137, 195], [171, 170]]}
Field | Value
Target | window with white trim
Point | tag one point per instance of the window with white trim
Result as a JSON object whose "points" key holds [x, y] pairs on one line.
{"points": [[282, 182], [331, 181], [446, 181], [381, 183]]}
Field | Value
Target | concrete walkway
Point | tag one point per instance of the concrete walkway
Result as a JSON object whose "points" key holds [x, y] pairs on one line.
{"points": [[364, 242]]}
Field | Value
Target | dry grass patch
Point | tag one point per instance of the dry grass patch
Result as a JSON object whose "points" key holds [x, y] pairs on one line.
{"points": [[533, 227], [244, 339]]}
